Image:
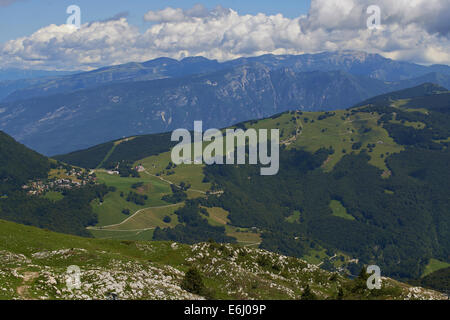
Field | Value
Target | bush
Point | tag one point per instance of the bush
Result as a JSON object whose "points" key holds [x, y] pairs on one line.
{"points": [[137, 198], [308, 294], [263, 261], [193, 282], [357, 146], [137, 185], [167, 219]]}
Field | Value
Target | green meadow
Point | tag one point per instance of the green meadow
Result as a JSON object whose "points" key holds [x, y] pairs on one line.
{"points": [[110, 210], [339, 210], [342, 135]]}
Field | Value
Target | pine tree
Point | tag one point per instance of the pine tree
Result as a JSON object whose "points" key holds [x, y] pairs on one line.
{"points": [[308, 294], [340, 295], [193, 282]]}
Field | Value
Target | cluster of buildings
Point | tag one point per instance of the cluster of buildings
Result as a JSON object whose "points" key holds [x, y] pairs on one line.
{"points": [[75, 178], [139, 168]]}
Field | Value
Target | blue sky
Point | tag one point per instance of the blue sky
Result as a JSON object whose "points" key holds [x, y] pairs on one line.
{"points": [[24, 17]]}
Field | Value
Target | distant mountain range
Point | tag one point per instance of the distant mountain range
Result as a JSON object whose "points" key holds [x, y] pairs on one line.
{"points": [[16, 79], [63, 114], [353, 62], [17, 74]]}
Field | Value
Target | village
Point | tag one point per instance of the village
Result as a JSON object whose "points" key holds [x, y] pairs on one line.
{"points": [[60, 179]]}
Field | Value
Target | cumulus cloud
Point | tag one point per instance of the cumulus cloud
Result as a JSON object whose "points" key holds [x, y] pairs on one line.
{"points": [[179, 15], [432, 15], [413, 30]]}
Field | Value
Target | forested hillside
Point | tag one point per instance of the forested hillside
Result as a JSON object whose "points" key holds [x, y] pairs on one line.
{"points": [[18, 164], [19, 167], [130, 149], [438, 280]]}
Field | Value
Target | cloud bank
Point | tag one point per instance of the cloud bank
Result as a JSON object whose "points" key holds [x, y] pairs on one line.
{"points": [[412, 30]]}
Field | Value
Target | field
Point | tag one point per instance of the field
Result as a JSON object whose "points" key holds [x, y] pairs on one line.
{"points": [[53, 195], [192, 174], [110, 210], [342, 135], [295, 218], [339, 210], [434, 265], [217, 217], [145, 235], [244, 236], [146, 219], [316, 256]]}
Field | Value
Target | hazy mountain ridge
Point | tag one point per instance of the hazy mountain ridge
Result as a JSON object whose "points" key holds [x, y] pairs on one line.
{"points": [[66, 122], [18, 74], [353, 62], [429, 91]]}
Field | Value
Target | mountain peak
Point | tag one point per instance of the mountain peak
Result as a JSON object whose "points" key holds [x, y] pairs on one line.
{"points": [[197, 59]]}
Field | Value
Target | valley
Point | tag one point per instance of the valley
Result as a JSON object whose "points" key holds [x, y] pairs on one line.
{"points": [[357, 186], [225, 159], [360, 142]]}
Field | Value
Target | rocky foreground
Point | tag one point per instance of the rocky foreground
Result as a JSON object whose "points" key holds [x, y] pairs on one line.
{"points": [[34, 265]]}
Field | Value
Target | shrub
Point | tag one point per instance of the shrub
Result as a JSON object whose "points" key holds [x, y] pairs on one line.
{"points": [[193, 282], [308, 294]]}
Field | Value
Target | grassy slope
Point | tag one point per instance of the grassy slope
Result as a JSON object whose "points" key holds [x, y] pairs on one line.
{"points": [[192, 174], [34, 264], [244, 236], [342, 134], [110, 211], [434, 265], [339, 210]]}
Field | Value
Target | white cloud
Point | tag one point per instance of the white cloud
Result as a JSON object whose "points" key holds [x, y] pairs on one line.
{"points": [[178, 15], [166, 15], [414, 30]]}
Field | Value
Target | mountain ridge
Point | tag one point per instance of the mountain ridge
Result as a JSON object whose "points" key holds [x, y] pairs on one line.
{"points": [[135, 108], [353, 62]]}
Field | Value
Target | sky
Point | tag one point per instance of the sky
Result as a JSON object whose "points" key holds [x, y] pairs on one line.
{"points": [[34, 33], [23, 17]]}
